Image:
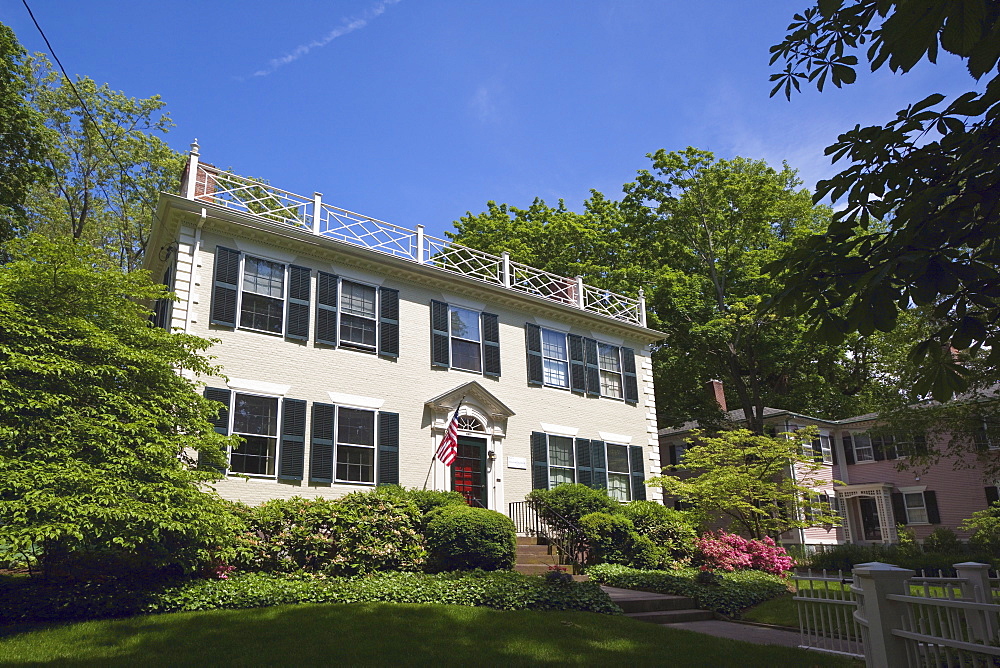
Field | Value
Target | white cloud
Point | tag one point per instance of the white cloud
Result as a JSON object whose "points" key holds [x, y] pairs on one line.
{"points": [[483, 104], [349, 25]]}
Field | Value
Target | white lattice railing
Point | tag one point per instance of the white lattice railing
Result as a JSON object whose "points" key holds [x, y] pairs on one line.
{"points": [[209, 184]]}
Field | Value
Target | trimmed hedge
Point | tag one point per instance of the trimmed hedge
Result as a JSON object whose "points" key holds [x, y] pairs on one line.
{"points": [[30, 602], [466, 538], [845, 557], [738, 590]]}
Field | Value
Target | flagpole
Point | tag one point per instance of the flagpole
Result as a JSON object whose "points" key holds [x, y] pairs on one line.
{"points": [[434, 454]]}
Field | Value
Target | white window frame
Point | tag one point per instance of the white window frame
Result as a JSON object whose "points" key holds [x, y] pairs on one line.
{"points": [[351, 345], [546, 358], [337, 444], [452, 338], [620, 372], [870, 457], [277, 437], [627, 473], [239, 299], [921, 508], [548, 456], [826, 448]]}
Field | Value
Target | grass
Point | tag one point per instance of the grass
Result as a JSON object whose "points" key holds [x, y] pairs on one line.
{"points": [[383, 634]]}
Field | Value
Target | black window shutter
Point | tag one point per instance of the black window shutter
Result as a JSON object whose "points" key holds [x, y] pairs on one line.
{"points": [[817, 447], [533, 342], [326, 308], [539, 460], [833, 451], [877, 448], [491, 343], [440, 355], [638, 473], [593, 370], [628, 371], [584, 472], [672, 450], [388, 335], [933, 514], [848, 443], [899, 508], [293, 439], [388, 448], [992, 495], [919, 444], [321, 463], [297, 307], [577, 365], [220, 422], [225, 287], [598, 463]]}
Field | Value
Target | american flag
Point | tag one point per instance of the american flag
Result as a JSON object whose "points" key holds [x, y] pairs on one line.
{"points": [[448, 450]]}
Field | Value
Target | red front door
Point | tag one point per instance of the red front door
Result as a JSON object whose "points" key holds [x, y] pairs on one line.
{"points": [[468, 473]]}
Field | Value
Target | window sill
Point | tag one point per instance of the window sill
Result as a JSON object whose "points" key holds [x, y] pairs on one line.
{"points": [[255, 476], [354, 482]]}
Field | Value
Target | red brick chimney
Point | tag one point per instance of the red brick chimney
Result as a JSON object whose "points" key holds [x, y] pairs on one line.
{"points": [[716, 391]]}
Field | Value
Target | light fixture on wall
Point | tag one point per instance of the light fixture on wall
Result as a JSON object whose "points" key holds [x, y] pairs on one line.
{"points": [[167, 251], [491, 455]]}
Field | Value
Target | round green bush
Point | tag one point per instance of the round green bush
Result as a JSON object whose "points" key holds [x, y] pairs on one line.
{"points": [[572, 502], [667, 528], [466, 538], [613, 539]]}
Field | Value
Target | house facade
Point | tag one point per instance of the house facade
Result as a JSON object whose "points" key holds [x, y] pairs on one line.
{"points": [[865, 484], [347, 344]]}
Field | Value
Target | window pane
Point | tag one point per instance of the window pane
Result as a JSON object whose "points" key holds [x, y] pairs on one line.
{"points": [[556, 373], [618, 459], [255, 415], [356, 427], [264, 278], [360, 331], [863, 448], [618, 486], [464, 324], [561, 451], [254, 456], [559, 476], [553, 344], [355, 464], [608, 356], [465, 355], [357, 299], [916, 512], [263, 313], [611, 384]]}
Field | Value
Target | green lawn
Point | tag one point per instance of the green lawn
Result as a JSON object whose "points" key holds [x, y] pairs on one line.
{"points": [[386, 634], [779, 611]]}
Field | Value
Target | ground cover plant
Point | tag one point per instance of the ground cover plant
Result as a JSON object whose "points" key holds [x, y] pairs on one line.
{"points": [[736, 591], [387, 634]]}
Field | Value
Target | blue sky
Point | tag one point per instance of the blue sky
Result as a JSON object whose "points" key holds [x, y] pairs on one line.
{"points": [[416, 111]]}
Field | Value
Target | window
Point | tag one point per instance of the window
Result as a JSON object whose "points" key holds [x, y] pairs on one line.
{"points": [[255, 418], [819, 449], [263, 295], [163, 307], [562, 465], [466, 352], [555, 359], [619, 473], [916, 508], [357, 315], [355, 445], [611, 370], [863, 451]]}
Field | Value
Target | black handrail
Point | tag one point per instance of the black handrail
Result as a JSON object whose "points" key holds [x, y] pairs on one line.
{"points": [[536, 518]]}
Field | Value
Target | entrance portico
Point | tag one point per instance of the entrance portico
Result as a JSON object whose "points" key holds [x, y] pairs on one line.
{"points": [[867, 513]]}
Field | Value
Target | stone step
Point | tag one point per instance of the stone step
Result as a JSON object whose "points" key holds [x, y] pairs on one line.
{"points": [[532, 549], [532, 569], [543, 558], [671, 616], [531, 540], [657, 604]]}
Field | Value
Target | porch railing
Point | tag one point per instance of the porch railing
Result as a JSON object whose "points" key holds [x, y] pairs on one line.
{"points": [[205, 183], [535, 518]]}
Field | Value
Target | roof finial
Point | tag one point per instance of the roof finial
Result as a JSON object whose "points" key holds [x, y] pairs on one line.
{"points": [[194, 147]]}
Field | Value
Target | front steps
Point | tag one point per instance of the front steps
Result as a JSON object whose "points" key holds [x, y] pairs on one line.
{"points": [[657, 608], [535, 556]]}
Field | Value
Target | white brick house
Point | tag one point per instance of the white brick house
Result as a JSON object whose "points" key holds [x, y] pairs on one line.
{"points": [[347, 343]]}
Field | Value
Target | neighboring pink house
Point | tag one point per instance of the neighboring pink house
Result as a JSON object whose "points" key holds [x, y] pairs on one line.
{"points": [[867, 489]]}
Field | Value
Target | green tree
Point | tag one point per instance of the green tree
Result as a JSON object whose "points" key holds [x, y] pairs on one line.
{"points": [[921, 225], [97, 426], [24, 140], [746, 478], [108, 165]]}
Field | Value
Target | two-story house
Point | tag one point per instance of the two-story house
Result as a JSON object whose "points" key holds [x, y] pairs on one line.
{"points": [[347, 343]]}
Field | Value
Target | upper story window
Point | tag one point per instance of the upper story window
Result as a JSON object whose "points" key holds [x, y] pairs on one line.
{"points": [[858, 448], [358, 323], [465, 339], [583, 365], [819, 448], [263, 296], [555, 358], [355, 315], [611, 370]]}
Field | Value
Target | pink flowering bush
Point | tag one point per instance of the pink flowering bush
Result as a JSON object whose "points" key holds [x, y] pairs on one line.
{"points": [[731, 552]]}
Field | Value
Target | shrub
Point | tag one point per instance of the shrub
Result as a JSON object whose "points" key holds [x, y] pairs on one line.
{"points": [[845, 557], [572, 502], [729, 552], [466, 538], [35, 602], [943, 540], [286, 535], [667, 528], [613, 539], [985, 525], [426, 500], [736, 591]]}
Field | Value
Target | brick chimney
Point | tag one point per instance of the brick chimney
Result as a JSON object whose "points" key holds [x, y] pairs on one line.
{"points": [[716, 391]]}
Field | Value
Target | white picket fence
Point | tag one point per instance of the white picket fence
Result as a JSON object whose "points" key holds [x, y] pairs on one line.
{"points": [[893, 618]]}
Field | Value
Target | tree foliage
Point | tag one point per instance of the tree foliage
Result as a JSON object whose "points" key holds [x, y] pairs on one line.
{"points": [[96, 423], [921, 223], [746, 478]]}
